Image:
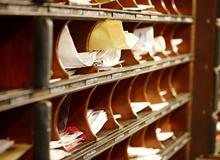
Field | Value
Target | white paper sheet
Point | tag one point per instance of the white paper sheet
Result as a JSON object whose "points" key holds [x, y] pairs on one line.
{"points": [[138, 8], [175, 43], [150, 157], [5, 144], [57, 154], [80, 2], [142, 151], [97, 120], [68, 54], [66, 139], [158, 106], [145, 42], [139, 106], [108, 58], [163, 136]]}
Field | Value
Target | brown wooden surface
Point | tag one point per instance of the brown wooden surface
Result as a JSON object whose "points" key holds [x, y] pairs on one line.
{"points": [[119, 151], [78, 112], [16, 52], [57, 69], [137, 139], [121, 99], [153, 88], [204, 35], [106, 155], [101, 99]]}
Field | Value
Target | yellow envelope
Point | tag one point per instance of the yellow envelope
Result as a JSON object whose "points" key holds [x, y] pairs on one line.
{"points": [[107, 34]]}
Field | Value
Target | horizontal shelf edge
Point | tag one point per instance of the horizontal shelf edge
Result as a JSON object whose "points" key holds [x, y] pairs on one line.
{"points": [[123, 133], [76, 12], [15, 99]]}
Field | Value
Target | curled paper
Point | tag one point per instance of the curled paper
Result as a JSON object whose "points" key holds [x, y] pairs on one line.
{"points": [[175, 43], [145, 42], [159, 44], [68, 54], [109, 34], [108, 58]]}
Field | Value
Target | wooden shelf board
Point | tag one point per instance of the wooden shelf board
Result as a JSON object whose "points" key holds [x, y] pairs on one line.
{"points": [[108, 138], [13, 99], [78, 12]]}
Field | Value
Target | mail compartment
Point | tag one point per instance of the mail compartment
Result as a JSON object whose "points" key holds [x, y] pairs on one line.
{"points": [[153, 88], [180, 79], [79, 48], [138, 97], [178, 120], [17, 133], [121, 100], [183, 7], [83, 114], [166, 87], [119, 151], [70, 116], [16, 52], [160, 6], [181, 154], [170, 7], [181, 39], [106, 155]]}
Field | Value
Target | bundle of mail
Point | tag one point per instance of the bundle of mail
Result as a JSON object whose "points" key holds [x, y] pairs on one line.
{"points": [[96, 120], [105, 43]]}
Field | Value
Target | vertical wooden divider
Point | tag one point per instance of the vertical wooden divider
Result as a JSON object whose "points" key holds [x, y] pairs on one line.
{"points": [[101, 99], [119, 151], [138, 138], [166, 85], [153, 88], [160, 7], [138, 92], [78, 112], [17, 57], [150, 138], [127, 55], [180, 79], [169, 6], [106, 155], [121, 99]]}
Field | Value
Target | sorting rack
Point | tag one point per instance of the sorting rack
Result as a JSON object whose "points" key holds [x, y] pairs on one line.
{"points": [[44, 90]]}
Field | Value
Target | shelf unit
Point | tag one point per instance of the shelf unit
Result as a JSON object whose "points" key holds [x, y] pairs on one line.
{"points": [[42, 92]]}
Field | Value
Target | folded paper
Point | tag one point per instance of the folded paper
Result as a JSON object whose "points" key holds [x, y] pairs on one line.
{"points": [[163, 136], [139, 106], [96, 120], [58, 154], [68, 54], [145, 42], [69, 138], [175, 43], [142, 151], [108, 58], [109, 34], [158, 106]]}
